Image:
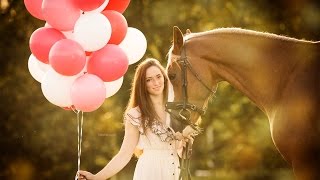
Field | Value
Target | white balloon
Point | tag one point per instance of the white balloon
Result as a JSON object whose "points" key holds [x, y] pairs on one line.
{"points": [[99, 9], [43, 66], [37, 68], [56, 88], [113, 87], [134, 45], [92, 31]]}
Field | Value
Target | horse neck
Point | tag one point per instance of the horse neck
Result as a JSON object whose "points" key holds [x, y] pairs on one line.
{"points": [[257, 65]]}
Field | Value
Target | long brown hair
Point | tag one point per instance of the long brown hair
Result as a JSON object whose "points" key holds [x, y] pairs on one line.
{"points": [[139, 95]]}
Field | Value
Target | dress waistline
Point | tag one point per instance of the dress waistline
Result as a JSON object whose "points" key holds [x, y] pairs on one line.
{"points": [[166, 152]]}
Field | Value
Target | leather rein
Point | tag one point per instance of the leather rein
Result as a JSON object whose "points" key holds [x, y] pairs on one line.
{"points": [[185, 108]]}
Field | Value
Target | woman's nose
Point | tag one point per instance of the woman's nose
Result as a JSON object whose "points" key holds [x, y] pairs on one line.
{"points": [[156, 81]]}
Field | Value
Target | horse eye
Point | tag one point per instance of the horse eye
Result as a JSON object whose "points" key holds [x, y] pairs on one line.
{"points": [[172, 76]]}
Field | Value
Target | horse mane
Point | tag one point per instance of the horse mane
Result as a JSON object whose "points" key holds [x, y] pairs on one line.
{"points": [[241, 32], [246, 32]]}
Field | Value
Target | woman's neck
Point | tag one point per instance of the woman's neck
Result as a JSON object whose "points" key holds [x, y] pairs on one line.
{"points": [[157, 101], [159, 107]]}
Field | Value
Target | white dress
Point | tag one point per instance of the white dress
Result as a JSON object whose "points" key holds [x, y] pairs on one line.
{"points": [[159, 160]]}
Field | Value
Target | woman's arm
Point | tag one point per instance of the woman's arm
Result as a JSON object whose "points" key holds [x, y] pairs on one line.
{"points": [[119, 161]]}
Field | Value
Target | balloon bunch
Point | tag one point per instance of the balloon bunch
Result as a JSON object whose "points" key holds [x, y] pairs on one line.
{"points": [[83, 51]]}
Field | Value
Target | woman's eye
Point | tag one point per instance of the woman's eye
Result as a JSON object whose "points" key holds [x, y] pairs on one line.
{"points": [[172, 76]]}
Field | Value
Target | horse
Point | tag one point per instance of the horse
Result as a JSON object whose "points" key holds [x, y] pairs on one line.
{"points": [[279, 74]]}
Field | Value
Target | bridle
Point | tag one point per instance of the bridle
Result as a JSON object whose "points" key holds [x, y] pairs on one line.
{"points": [[185, 108]]}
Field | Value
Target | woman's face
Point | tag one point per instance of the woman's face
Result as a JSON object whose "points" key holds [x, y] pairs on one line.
{"points": [[154, 81]]}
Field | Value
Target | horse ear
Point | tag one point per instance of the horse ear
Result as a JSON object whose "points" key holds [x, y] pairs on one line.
{"points": [[177, 40], [188, 31]]}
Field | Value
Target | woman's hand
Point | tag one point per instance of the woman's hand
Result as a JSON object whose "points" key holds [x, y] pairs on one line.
{"points": [[85, 175], [189, 131], [182, 142]]}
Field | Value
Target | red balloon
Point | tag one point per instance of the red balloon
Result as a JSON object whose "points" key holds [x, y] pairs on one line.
{"points": [[109, 63], [68, 108], [42, 40], [118, 5], [34, 8], [88, 53], [88, 93], [60, 14], [119, 26], [88, 5], [67, 57]]}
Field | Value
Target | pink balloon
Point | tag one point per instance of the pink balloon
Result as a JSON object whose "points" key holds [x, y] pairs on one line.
{"points": [[42, 40], [67, 57], [119, 26], [60, 14], [34, 8], [109, 63], [88, 5], [118, 5], [88, 93]]}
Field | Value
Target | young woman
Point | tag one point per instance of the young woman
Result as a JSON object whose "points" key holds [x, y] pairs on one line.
{"points": [[147, 128]]}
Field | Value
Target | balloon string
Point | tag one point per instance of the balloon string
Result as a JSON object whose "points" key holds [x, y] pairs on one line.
{"points": [[80, 125]]}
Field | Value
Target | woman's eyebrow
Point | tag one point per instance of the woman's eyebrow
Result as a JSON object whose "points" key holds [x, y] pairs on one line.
{"points": [[153, 76]]}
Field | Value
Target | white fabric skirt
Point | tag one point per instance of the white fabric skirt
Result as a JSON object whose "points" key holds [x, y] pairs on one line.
{"points": [[157, 164]]}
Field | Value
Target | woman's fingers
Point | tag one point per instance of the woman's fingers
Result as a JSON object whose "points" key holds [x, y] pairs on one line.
{"points": [[184, 143], [81, 177], [181, 144], [84, 175], [190, 139], [178, 136]]}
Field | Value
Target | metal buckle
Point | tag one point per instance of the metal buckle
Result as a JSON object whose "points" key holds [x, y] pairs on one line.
{"points": [[182, 116], [193, 107]]}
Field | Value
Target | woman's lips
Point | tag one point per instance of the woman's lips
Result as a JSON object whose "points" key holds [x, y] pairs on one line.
{"points": [[157, 88]]}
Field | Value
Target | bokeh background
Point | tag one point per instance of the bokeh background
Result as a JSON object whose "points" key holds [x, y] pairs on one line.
{"points": [[39, 140]]}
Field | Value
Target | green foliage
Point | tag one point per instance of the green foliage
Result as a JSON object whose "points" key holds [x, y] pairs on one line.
{"points": [[39, 140]]}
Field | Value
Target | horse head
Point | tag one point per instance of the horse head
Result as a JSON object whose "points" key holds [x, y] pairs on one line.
{"points": [[193, 85]]}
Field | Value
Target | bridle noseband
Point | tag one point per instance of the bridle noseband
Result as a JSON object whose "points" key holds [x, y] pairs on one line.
{"points": [[185, 109]]}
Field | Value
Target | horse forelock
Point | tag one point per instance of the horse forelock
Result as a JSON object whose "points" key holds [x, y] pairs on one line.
{"points": [[171, 57]]}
